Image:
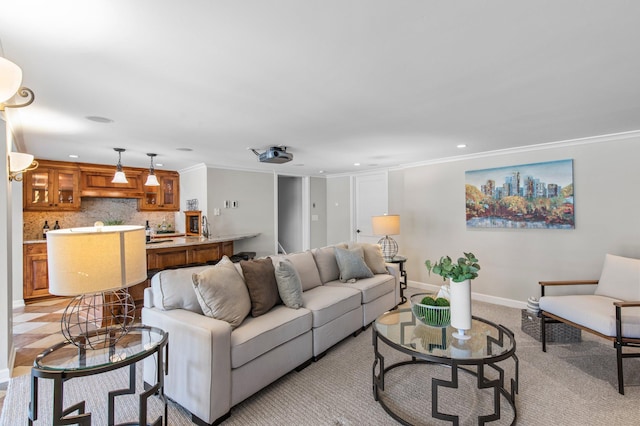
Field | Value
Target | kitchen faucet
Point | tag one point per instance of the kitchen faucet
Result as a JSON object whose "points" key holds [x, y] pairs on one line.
{"points": [[205, 227]]}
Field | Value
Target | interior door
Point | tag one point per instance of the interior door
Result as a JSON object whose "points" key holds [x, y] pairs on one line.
{"points": [[371, 198]]}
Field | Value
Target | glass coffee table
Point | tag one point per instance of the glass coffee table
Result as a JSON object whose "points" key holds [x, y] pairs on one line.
{"points": [[65, 361], [436, 360]]}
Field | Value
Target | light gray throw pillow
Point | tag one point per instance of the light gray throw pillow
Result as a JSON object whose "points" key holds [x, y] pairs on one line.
{"points": [[372, 257], [222, 293], [351, 264], [289, 284]]}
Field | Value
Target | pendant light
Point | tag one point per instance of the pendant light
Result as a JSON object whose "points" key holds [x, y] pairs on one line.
{"points": [[152, 180], [119, 177]]}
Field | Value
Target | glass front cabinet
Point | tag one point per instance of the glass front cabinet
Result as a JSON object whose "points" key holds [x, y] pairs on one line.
{"points": [[164, 197], [51, 188]]}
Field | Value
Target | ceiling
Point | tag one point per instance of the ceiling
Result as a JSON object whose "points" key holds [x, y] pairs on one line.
{"points": [[383, 83]]}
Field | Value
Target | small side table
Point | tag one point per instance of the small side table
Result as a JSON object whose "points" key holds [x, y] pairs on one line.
{"points": [[400, 260], [64, 361]]}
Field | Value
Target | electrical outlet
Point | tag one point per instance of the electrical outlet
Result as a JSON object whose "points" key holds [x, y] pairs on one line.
{"points": [[234, 204], [227, 204]]}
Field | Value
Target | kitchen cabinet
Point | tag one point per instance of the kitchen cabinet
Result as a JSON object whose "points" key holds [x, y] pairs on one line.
{"points": [[95, 181], [165, 197], [193, 219], [166, 257], [35, 282], [52, 186]]}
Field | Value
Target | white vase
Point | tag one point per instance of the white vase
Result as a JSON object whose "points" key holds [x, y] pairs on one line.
{"points": [[460, 308]]}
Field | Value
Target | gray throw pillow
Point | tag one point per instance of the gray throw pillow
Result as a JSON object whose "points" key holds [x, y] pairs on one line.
{"points": [[222, 293], [372, 257], [289, 284], [351, 264]]}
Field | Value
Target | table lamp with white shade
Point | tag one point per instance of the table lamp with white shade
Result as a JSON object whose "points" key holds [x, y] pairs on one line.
{"points": [[96, 265], [387, 225]]}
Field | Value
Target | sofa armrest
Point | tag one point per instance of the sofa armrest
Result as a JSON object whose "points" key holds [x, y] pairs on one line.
{"points": [[199, 371], [544, 284]]}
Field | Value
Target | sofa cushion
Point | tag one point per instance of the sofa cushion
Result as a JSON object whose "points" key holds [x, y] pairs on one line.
{"points": [[620, 278], [351, 264], [329, 303], [372, 257], [370, 288], [325, 258], [257, 336], [306, 267], [259, 275], [594, 312], [173, 289], [222, 293], [289, 284]]}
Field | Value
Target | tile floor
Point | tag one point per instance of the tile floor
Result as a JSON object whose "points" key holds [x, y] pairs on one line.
{"points": [[35, 328]]}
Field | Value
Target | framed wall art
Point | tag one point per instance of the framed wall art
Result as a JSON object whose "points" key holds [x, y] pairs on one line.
{"points": [[527, 196]]}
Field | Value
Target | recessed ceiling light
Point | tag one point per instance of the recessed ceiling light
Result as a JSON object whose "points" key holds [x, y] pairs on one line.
{"points": [[184, 149], [98, 119], [356, 164], [462, 145], [159, 164], [73, 156], [321, 171]]}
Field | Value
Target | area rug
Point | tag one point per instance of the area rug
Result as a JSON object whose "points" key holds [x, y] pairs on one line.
{"points": [[571, 384]]}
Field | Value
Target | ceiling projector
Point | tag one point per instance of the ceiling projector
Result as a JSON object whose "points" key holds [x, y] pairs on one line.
{"points": [[275, 154]]}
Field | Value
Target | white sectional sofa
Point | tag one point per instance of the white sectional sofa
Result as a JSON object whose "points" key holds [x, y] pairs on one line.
{"points": [[214, 364]]}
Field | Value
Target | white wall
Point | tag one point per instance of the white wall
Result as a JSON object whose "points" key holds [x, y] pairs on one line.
{"points": [[254, 192], [318, 212], [338, 209], [6, 328], [431, 202], [192, 185]]}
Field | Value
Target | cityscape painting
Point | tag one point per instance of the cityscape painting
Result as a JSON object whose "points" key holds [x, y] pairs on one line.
{"points": [[538, 196]]}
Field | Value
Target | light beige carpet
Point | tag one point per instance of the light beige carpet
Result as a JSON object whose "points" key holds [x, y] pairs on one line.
{"points": [[569, 385]]}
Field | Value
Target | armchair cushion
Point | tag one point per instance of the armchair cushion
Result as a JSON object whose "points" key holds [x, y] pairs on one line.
{"points": [[620, 278]]}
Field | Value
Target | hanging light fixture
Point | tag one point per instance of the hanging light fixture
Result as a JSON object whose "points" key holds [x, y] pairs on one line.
{"points": [[119, 177], [152, 180], [10, 85]]}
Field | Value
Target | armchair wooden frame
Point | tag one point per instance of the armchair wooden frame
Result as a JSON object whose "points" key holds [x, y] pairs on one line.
{"points": [[618, 340]]}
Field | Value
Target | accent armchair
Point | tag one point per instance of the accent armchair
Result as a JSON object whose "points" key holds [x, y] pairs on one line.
{"points": [[611, 312]]}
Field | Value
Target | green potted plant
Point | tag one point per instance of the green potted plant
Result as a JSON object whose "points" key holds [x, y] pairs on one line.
{"points": [[460, 274], [466, 268]]}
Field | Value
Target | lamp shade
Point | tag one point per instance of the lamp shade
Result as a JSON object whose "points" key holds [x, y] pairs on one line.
{"points": [[386, 225], [10, 79], [94, 260], [119, 177], [18, 161], [152, 180]]}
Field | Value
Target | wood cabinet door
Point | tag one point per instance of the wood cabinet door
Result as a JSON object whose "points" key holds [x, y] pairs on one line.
{"points": [[52, 186], [36, 273], [165, 197], [95, 181], [205, 253]]}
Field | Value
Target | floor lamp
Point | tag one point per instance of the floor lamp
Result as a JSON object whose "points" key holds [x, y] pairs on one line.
{"points": [[387, 225], [96, 265]]}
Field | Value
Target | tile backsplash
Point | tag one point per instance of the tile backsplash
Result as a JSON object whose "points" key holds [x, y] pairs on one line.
{"points": [[91, 211]]}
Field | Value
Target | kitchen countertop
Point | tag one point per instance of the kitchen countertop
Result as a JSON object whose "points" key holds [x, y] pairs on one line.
{"points": [[167, 241], [190, 241]]}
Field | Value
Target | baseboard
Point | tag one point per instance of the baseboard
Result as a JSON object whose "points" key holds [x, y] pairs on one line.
{"points": [[18, 303], [5, 373], [475, 296]]}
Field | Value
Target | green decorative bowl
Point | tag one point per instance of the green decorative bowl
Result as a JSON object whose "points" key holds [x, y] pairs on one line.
{"points": [[434, 316]]}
